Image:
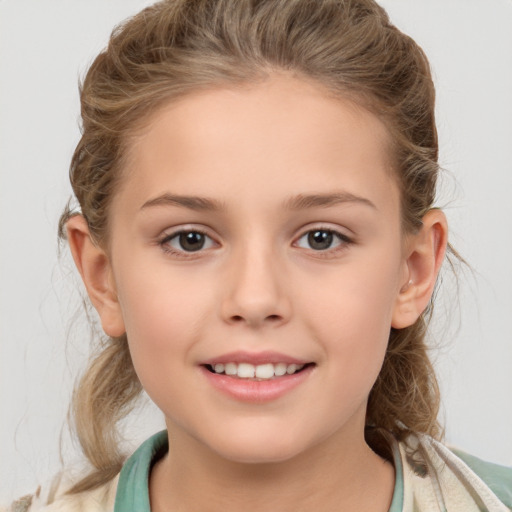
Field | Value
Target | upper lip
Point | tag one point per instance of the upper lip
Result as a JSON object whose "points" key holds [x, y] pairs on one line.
{"points": [[254, 358]]}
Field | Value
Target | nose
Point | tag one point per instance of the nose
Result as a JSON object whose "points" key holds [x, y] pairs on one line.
{"points": [[255, 291]]}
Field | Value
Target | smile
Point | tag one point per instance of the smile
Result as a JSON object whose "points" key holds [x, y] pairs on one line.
{"points": [[256, 378], [265, 371]]}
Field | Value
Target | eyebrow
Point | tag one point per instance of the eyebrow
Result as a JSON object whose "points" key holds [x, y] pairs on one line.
{"points": [[190, 202], [298, 202], [304, 201]]}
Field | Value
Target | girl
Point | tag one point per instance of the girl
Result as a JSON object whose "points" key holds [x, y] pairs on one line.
{"points": [[257, 233]]}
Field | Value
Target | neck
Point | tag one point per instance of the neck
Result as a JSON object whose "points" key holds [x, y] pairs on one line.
{"points": [[338, 474]]}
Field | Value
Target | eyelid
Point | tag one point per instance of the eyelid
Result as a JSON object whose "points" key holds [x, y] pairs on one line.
{"points": [[170, 234], [343, 232], [345, 240]]}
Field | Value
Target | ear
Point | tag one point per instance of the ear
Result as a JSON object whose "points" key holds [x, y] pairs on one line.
{"points": [[424, 256], [94, 267]]}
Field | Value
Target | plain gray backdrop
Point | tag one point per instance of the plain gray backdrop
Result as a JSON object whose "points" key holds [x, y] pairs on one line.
{"points": [[46, 46]]}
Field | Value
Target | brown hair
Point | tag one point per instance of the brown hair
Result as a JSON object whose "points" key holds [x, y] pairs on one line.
{"points": [[178, 46]]}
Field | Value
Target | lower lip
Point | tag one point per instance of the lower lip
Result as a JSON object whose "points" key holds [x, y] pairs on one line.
{"points": [[256, 391]]}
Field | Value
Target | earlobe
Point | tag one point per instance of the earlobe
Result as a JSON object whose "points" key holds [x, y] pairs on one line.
{"points": [[425, 254], [94, 267]]}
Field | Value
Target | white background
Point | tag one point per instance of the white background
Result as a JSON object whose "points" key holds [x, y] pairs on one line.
{"points": [[45, 46]]}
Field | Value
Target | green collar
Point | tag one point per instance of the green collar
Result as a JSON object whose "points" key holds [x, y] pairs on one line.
{"points": [[133, 490], [397, 503]]}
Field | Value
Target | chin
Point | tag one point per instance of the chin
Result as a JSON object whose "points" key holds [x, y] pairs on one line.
{"points": [[259, 448], [268, 455]]}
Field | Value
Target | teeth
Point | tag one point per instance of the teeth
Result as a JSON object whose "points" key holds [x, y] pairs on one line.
{"points": [[246, 371], [292, 368], [261, 372], [229, 369], [280, 369], [265, 371]]}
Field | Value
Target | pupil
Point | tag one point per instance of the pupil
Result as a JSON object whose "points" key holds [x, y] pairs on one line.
{"points": [[191, 241], [320, 239]]}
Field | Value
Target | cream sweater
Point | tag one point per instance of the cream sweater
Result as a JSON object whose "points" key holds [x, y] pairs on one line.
{"points": [[429, 478]]}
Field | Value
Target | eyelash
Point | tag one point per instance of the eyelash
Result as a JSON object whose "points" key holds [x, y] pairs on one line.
{"points": [[343, 242], [164, 242]]}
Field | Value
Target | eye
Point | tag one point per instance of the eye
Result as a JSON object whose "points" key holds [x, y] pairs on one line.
{"points": [[187, 241], [322, 240]]}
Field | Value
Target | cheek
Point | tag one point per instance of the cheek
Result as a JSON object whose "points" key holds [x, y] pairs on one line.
{"points": [[162, 314], [353, 299], [351, 316]]}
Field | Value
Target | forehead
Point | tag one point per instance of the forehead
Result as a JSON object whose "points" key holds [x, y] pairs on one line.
{"points": [[291, 133]]}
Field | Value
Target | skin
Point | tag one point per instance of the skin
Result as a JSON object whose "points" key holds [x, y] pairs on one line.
{"points": [[259, 285]]}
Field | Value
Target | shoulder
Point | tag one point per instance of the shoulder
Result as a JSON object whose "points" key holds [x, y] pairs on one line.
{"points": [[132, 483], [55, 499], [459, 481], [497, 477]]}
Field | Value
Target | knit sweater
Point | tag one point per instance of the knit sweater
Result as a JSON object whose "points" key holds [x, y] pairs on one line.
{"points": [[429, 478]]}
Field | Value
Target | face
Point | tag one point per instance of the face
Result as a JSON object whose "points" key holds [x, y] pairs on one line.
{"points": [[256, 233]]}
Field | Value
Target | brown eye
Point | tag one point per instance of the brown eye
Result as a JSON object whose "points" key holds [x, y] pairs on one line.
{"points": [[187, 241], [322, 240], [191, 241]]}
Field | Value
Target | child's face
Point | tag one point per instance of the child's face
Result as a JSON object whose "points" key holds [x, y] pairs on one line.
{"points": [[294, 253]]}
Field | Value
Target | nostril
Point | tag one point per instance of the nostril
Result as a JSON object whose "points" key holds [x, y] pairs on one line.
{"points": [[256, 320], [269, 318]]}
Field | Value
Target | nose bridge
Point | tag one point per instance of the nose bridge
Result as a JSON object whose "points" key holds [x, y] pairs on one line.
{"points": [[256, 291]]}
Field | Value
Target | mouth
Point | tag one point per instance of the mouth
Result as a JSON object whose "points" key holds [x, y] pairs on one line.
{"points": [[257, 378], [260, 372]]}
